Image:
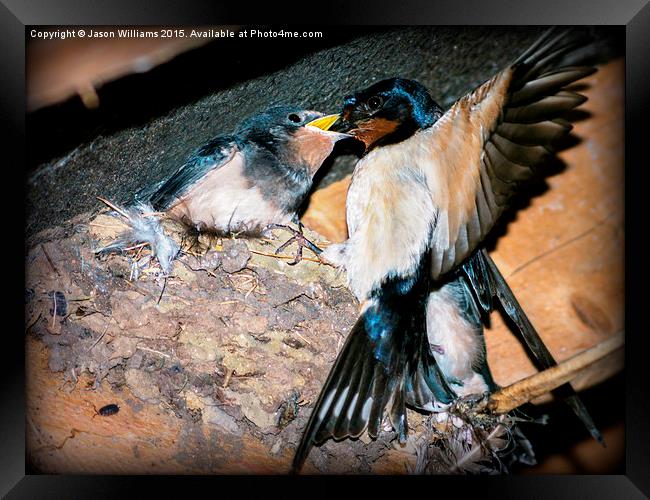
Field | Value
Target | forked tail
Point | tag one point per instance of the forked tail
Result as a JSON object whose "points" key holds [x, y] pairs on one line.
{"points": [[489, 284], [385, 363]]}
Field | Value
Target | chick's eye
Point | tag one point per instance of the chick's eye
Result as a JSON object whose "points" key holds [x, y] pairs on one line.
{"points": [[375, 102], [293, 117]]}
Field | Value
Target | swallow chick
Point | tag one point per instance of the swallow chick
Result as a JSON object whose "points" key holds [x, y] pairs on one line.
{"points": [[428, 189], [455, 334], [246, 182]]}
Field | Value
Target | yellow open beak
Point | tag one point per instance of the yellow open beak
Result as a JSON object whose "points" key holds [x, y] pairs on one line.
{"points": [[324, 122]]}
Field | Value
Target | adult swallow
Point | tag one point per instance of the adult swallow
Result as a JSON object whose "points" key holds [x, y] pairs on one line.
{"points": [[428, 189], [244, 182]]}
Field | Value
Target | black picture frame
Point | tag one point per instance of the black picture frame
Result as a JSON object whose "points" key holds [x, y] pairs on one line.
{"points": [[634, 14]]}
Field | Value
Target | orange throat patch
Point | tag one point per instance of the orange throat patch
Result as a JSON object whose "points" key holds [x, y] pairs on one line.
{"points": [[313, 146], [372, 130]]}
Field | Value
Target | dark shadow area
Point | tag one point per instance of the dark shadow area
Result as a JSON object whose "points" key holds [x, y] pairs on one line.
{"points": [[135, 100], [523, 198], [563, 431]]}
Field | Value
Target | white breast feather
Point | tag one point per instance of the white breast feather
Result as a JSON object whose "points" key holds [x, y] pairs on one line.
{"points": [[225, 202], [389, 215]]}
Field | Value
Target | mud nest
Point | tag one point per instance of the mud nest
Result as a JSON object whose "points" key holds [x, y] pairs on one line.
{"points": [[234, 340]]}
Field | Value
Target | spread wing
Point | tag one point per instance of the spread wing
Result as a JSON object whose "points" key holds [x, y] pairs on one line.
{"points": [[491, 140], [215, 154]]}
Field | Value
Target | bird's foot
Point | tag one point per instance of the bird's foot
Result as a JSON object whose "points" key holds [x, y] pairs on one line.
{"points": [[298, 238]]}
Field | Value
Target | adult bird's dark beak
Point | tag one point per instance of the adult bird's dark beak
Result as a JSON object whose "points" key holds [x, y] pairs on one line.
{"points": [[342, 125]]}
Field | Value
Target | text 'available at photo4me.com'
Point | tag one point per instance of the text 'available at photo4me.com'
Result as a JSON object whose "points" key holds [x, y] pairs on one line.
{"points": [[207, 33]]}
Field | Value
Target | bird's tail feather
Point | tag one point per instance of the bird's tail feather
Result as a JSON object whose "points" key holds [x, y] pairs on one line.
{"points": [[143, 227], [385, 363], [497, 287]]}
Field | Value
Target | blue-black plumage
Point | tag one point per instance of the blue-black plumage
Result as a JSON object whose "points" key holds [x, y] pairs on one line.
{"points": [[385, 361]]}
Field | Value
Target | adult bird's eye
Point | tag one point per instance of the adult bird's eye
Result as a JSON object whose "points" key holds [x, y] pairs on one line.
{"points": [[293, 117], [375, 102]]}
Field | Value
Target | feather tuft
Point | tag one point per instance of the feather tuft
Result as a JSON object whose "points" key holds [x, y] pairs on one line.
{"points": [[144, 227]]}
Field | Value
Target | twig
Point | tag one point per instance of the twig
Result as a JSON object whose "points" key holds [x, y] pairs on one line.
{"points": [[162, 291], [54, 314], [285, 257], [246, 304], [229, 375], [475, 449], [303, 338], [102, 335], [114, 207], [96, 224], [187, 378], [49, 261], [255, 285], [154, 351], [137, 255], [139, 245], [194, 254], [526, 390]]}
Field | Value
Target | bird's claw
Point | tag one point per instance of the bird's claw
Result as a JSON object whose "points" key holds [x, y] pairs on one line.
{"points": [[300, 240]]}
